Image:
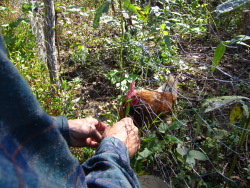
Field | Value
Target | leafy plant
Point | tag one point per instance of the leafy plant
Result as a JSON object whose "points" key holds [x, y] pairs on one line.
{"points": [[99, 11], [121, 82], [190, 155], [229, 6], [220, 49], [237, 113]]}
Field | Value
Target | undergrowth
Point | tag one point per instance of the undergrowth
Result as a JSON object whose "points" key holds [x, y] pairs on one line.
{"points": [[98, 64]]}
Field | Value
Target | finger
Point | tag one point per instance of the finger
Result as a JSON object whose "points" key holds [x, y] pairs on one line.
{"points": [[100, 126], [91, 143], [94, 133], [127, 120]]}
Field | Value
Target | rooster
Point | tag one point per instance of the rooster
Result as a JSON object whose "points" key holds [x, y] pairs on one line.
{"points": [[147, 107]]}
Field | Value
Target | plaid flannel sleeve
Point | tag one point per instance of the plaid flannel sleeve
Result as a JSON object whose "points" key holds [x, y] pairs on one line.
{"points": [[110, 166], [33, 151]]}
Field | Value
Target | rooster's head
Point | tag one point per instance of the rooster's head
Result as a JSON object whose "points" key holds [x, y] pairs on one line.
{"points": [[131, 95]]}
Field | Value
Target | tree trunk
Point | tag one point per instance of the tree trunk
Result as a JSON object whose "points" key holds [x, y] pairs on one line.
{"points": [[49, 34]]}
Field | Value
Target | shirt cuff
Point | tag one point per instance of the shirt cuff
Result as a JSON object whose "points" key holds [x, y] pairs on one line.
{"points": [[63, 126], [115, 145]]}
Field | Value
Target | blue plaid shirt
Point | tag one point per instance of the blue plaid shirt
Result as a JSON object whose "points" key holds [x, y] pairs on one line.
{"points": [[33, 145]]}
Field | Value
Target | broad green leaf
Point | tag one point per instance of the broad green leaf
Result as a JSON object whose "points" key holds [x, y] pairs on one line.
{"points": [[190, 160], [142, 14], [99, 11], [218, 102], [144, 154], [219, 52], [176, 125], [243, 44], [245, 110], [167, 41], [220, 49], [132, 77], [197, 155], [235, 114], [3, 8], [229, 6], [147, 9], [182, 151], [220, 133], [130, 7], [194, 154], [172, 139], [163, 128], [238, 39]]}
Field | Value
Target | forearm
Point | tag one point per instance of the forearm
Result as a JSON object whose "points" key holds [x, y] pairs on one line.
{"points": [[61, 123], [110, 166]]}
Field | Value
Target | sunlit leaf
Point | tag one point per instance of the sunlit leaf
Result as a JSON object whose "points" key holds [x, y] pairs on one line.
{"points": [[238, 39], [229, 6], [130, 7], [172, 139], [142, 14], [195, 154], [218, 102], [235, 114], [167, 41], [144, 154], [190, 160], [99, 11], [182, 151], [3, 8], [219, 52]]}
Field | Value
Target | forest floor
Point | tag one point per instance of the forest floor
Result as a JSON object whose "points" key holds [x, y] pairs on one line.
{"points": [[98, 96]]}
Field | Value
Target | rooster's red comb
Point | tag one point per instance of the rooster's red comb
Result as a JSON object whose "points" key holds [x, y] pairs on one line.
{"points": [[131, 92]]}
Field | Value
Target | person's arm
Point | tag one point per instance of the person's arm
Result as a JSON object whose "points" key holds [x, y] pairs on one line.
{"points": [[33, 153], [61, 123], [31, 143], [110, 166]]}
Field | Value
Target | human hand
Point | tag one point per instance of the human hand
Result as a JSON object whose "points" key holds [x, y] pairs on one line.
{"points": [[86, 132], [127, 132]]}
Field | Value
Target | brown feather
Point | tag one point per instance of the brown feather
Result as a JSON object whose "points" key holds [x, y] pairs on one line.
{"points": [[149, 106]]}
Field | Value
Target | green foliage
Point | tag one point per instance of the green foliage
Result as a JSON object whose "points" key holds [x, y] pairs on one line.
{"points": [[121, 82], [248, 170], [101, 10], [144, 43], [142, 14], [218, 102], [30, 6], [191, 155], [229, 6], [220, 49]]}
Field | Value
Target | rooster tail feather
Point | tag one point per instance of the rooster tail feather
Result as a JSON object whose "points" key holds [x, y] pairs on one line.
{"points": [[174, 86], [170, 85]]}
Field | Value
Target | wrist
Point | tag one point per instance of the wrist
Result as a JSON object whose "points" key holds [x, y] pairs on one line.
{"points": [[63, 126]]}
